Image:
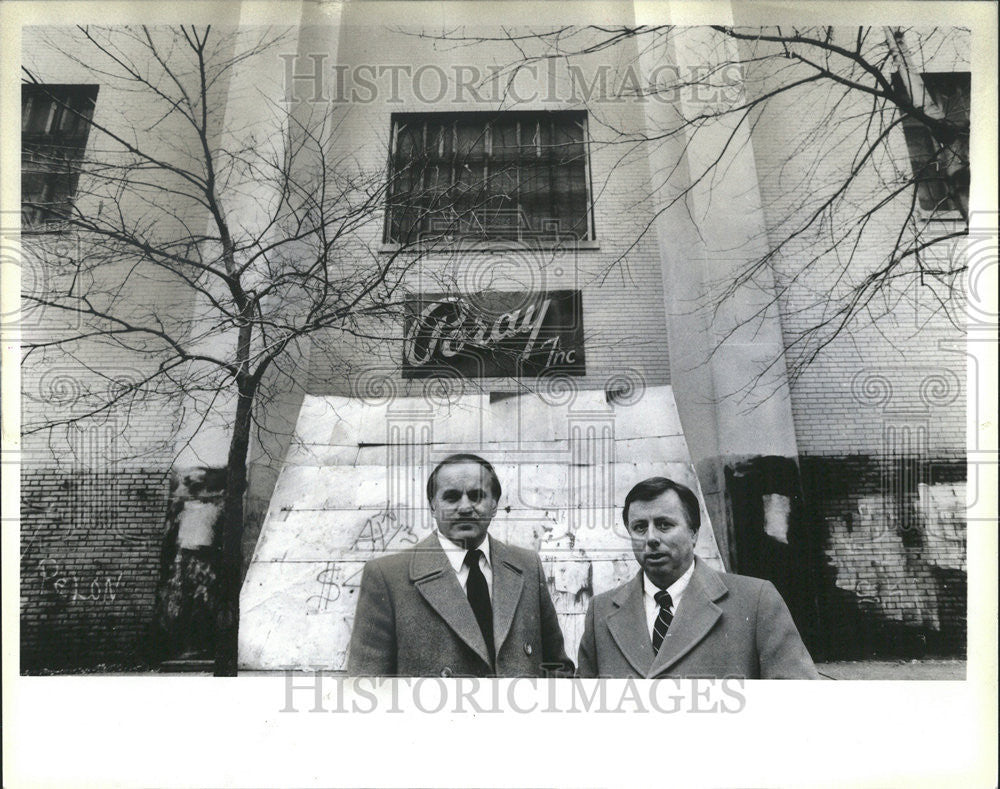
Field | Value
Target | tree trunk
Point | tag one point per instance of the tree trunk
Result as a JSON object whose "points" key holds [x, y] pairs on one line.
{"points": [[231, 560]]}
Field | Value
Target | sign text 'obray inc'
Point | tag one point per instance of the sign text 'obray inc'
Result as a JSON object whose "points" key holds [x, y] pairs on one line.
{"points": [[494, 334]]}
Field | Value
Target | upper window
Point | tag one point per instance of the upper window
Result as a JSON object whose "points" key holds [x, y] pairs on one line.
{"points": [[55, 122], [488, 176], [940, 159]]}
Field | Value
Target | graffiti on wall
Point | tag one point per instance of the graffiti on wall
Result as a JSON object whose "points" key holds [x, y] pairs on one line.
{"points": [[65, 584]]}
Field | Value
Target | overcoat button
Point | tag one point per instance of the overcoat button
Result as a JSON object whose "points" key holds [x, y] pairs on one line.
{"points": [[446, 672], [527, 649]]}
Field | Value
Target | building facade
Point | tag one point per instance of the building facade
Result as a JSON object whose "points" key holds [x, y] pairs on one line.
{"points": [[563, 290]]}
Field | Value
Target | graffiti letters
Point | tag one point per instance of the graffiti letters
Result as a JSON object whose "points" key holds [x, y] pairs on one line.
{"points": [[66, 585], [384, 531], [380, 533], [332, 580]]}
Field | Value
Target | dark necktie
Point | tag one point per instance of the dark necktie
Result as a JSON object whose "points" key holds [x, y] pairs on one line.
{"points": [[479, 598], [663, 619]]}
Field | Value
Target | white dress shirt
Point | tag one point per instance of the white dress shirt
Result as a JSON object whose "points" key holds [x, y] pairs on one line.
{"points": [[649, 590], [456, 556]]}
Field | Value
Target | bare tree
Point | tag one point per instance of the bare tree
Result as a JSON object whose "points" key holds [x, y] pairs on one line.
{"points": [[208, 248], [854, 96]]}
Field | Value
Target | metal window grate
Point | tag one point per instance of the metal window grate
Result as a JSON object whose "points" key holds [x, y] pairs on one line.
{"points": [[488, 176]]}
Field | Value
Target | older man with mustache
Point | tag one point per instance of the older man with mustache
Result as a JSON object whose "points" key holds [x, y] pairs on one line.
{"points": [[459, 603]]}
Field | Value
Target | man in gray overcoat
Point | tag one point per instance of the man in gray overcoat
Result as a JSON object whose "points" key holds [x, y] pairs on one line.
{"points": [[459, 603]]}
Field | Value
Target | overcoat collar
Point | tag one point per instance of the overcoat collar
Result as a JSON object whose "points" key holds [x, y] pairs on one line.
{"points": [[435, 579], [696, 614], [508, 582], [627, 625]]}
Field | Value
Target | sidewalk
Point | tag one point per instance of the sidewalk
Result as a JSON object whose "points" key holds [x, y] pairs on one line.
{"points": [[893, 669], [926, 669]]}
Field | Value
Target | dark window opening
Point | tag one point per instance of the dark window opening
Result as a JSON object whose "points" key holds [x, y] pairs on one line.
{"points": [[55, 124], [488, 176], [940, 156]]}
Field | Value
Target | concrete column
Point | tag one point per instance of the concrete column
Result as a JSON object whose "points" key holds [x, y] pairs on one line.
{"points": [[727, 360], [308, 77], [254, 92]]}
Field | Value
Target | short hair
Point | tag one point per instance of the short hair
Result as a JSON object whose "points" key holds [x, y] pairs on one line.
{"points": [[654, 487], [464, 457]]}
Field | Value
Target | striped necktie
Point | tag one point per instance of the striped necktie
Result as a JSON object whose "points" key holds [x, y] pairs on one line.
{"points": [[663, 619]]}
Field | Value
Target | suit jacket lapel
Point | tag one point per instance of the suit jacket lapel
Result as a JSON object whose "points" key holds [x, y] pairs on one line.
{"points": [[435, 579], [695, 616], [628, 628], [508, 581]]}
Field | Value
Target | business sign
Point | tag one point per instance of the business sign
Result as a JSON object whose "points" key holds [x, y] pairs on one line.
{"points": [[494, 334]]}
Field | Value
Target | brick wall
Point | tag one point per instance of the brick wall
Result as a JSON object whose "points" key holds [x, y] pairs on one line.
{"points": [[905, 353], [888, 539], [91, 529], [623, 313], [90, 544], [879, 412], [94, 488]]}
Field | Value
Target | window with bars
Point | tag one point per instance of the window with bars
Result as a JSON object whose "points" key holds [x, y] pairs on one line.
{"points": [[488, 176], [940, 161], [55, 124]]}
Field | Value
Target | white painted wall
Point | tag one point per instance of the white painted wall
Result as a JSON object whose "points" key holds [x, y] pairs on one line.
{"points": [[352, 488]]}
